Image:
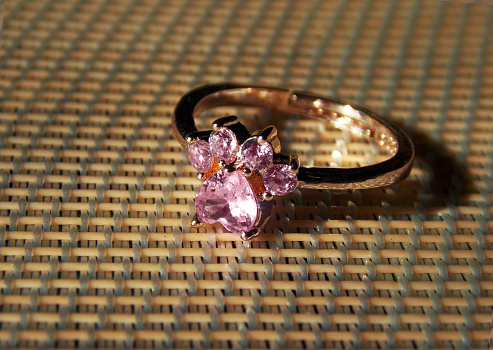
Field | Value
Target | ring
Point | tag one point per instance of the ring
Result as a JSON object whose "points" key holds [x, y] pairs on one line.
{"points": [[242, 171]]}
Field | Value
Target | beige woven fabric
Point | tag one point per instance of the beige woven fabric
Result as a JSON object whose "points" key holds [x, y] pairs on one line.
{"points": [[96, 249]]}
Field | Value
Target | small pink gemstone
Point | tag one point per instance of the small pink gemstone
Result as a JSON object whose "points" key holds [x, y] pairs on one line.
{"points": [[227, 198], [256, 155], [200, 155], [224, 144], [279, 180]]}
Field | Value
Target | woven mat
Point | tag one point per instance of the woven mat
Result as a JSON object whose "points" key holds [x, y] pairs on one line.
{"points": [[96, 249]]}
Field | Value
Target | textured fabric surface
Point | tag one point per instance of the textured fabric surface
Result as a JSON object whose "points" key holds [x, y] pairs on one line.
{"points": [[96, 248]]}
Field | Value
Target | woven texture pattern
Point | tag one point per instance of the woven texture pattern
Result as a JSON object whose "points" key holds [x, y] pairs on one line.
{"points": [[96, 248]]}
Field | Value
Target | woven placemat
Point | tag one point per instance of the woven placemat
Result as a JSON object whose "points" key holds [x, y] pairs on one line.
{"points": [[96, 248]]}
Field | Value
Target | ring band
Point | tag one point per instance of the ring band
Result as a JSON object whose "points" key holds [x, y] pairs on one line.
{"points": [[247, 151]]}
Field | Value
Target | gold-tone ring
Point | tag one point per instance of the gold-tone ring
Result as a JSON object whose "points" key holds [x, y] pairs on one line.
{"points": [[262, 172]]}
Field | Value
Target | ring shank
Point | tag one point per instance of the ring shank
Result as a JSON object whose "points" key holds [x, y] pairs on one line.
{"points": [[342, 115]]}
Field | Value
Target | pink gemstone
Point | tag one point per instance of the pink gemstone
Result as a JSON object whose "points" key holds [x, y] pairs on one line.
{"points": [[256, 155], [200, 155], [227, 198], [279, 180], [224, 144]]}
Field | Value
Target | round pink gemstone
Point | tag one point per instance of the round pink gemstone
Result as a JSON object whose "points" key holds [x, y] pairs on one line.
{"points": [[200, 155], [256, 155], [227, 198], [279, 180], [224, 144]]}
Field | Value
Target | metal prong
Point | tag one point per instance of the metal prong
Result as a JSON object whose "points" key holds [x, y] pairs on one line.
{"points": [[196, 135], [247, 172], [224, 121], [201, 176], [267, 196], [189, 139], [267, 134], [294, 164], [195, 222], [246, 236], [221, 164]]}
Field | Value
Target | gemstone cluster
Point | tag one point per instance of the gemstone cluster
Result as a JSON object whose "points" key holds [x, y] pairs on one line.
{"points": [[239, 180]]}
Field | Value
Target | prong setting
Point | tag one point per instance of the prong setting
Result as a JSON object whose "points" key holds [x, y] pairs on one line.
{"points": [[201, 176], [195, 222], [224, 122], [197, 135], [267, 134], [247, 172], [267, 196], [246, 236], [294, 164], [221, 164]]}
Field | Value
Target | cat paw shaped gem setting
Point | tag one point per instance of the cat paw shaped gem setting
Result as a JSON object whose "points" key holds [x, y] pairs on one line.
{"points": [[241, 173]]}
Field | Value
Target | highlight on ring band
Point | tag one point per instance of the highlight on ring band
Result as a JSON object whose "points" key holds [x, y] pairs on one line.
{"points": [[243, 171]]}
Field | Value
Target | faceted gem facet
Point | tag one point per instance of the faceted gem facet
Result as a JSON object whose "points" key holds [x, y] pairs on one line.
{"points": [[257, 155], [200, 155], [279, 180], [224, 144], [227, 198]]}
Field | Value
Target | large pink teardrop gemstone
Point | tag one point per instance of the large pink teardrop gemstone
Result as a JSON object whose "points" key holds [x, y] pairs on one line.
{"points": [[227, 198]]}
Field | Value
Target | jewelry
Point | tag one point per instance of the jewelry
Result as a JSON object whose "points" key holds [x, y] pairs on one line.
{"points": [[242, 171]]}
